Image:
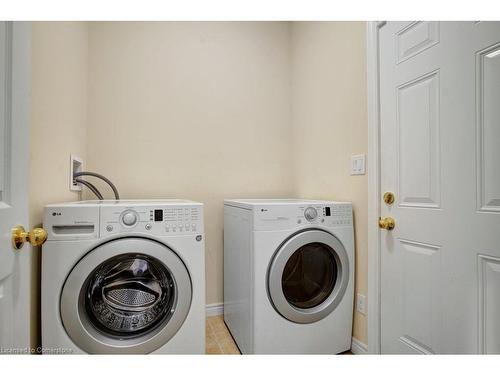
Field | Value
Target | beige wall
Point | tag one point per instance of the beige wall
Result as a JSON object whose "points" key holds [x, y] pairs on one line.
{"points": [[205, 111], [192, 110], [58, 110], [330, 124], [58, 122]]}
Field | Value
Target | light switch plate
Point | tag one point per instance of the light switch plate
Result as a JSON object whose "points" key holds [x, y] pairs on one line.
{"points": [[361, 303], [358, 163]]}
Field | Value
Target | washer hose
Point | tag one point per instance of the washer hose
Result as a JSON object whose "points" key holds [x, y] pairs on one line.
{"points": [[91, 187], [105, 179]]}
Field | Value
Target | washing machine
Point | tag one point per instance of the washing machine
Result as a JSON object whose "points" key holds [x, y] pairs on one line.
{"points": [[124, 277], [289, 275]]}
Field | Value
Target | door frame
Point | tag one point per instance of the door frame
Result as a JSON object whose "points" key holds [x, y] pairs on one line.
{"points": [[374, 249]]}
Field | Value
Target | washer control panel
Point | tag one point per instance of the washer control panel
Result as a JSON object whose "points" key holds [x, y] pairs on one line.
{"points": [[162, 220], [129, 218], [310, 213]]}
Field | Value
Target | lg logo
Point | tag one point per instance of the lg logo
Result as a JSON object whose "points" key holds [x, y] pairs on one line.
{"points": [[56, 214]]}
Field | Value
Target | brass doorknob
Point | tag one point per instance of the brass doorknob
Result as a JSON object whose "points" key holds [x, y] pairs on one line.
{"points": [[389, 197], [36, 237], [386, 223]]}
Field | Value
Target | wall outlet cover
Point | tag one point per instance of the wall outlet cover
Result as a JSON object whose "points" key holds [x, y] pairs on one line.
{"points": [[75, 165], [361, 303]]}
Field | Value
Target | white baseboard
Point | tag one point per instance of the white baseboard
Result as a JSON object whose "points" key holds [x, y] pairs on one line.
{"points": [[214, 309], [358, 347]]}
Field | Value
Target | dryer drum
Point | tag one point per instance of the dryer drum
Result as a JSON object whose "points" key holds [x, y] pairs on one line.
{"points": [[129, 295], [309, 275]]}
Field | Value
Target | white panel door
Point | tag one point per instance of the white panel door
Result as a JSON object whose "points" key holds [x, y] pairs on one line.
{"points": [[440, 155], [14, 155]]}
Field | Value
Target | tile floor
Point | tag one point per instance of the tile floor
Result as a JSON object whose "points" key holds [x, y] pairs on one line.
{"points": [[218, 338]]}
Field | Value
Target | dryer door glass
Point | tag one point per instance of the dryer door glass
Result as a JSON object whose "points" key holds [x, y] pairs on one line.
{"points": [[129, 295], [309, 275]]}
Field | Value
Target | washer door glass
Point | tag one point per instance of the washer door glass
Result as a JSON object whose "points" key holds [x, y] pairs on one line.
{"points": [[308, 276], [129, 295]]}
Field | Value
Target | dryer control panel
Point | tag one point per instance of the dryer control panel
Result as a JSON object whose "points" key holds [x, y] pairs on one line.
{"points": [[156, 220], [276, 217]]}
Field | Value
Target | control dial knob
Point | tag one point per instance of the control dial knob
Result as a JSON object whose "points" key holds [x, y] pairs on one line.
{"points": [[129, 218], [310, 213]]}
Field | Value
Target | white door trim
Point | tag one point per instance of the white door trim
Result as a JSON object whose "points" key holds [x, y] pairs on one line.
{"points": [[20, 119], [17, 303], [372, 53]]}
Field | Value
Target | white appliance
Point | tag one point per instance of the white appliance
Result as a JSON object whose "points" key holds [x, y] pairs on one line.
{"points": [[124, 277], [289, 275]]}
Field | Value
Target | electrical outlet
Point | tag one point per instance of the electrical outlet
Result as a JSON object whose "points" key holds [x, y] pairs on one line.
{"points": [[358, 163], [75, 165], [361, 303]]}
